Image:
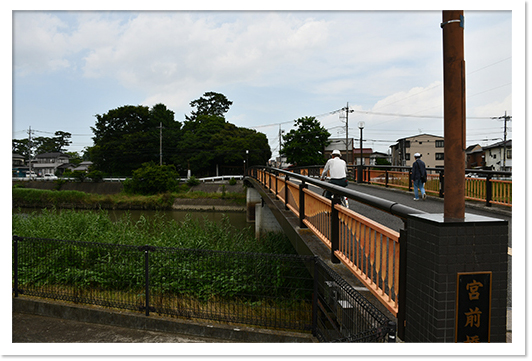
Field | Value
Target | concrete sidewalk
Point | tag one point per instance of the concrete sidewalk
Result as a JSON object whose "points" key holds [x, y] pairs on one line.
{"points": [[40, 321]]}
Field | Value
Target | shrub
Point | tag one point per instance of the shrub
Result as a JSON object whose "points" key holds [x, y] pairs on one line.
{"points": [[153, 179], [193, 181]]}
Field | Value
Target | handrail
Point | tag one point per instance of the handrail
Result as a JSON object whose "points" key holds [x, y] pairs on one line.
{"points": [[492, 187], [394, 208]]}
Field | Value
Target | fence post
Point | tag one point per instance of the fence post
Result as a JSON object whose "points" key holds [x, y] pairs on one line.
{"points": [[335, 228], [302, 187], [401, 296], [441, 183], [315, 299], [146, 250], [410, 180], [15, 259], [387, 178], [286, 179], [489, 186]]}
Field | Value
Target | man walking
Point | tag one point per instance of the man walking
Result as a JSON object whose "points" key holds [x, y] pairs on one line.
{"points": [[419, 176]]}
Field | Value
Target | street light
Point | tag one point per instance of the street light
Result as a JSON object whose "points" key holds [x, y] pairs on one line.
{"points": [[360, 168]]}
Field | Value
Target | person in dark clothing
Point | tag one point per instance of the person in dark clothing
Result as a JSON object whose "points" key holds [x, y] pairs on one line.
{"points": [[419, 176]]}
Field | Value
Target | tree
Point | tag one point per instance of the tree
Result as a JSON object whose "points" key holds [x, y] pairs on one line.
{"points": [[152, 178], [211, 103], [306, 144], [41, 145], [128, 136]]}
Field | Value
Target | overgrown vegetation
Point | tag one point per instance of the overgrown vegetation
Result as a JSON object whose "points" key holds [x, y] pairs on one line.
{"points": [[29, 197], [97, 226], [188, 274]]}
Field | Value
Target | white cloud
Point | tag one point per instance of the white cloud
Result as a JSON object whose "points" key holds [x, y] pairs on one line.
{"points": [[39, 44]]}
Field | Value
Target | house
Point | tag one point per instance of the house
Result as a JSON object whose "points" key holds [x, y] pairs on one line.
{"points": [[431, 148], [499, 156], [366, 156], [19, 169], [83, 166], [379, 155], [339, 143], [51, 163], [475, 157]]}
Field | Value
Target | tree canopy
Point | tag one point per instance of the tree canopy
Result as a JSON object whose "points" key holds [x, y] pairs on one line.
{"points": [[42, 145], [211, 103], [129, 136], [306, 144]]}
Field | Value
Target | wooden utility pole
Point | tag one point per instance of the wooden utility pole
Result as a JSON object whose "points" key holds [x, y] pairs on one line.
{"points": [[454, 114]]}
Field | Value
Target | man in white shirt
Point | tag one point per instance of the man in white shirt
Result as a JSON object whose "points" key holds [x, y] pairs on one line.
{"points": [[337, 169]]}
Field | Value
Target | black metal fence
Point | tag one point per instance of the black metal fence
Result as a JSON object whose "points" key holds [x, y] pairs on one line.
{"points": [[289, 292]]}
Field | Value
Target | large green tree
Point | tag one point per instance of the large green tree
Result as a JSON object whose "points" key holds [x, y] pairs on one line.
{"points": [[306, 144], [210, 141], [128, 136]]}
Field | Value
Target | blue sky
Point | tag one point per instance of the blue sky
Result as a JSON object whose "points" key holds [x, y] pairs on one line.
{"points": [[276, 66]]}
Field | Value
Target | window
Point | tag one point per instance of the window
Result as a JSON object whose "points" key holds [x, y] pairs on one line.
{"points": [[407, 156], [439, 144], [407, 144], [509, 154], [439, 156]]}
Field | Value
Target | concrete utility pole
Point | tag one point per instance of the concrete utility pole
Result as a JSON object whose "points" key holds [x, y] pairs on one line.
{"points": [[506, 119], [30, 146], [454, 107]]}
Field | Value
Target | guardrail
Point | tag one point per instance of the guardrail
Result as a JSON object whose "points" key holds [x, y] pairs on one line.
{"points": [[370, 250], [491, 187]]}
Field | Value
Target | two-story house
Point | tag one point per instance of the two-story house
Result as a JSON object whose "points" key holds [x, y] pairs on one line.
{"points": [[51, 163], [18, 167], [431, 148], [499, 156]]}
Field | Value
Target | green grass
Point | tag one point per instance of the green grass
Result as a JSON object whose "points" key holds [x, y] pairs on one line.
{"points": [[27, 197]]}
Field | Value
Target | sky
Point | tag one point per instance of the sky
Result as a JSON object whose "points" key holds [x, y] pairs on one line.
{"points": [[275, 66]]}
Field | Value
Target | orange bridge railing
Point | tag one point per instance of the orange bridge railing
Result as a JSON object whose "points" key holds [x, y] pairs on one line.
{"points": [[371, 251]]}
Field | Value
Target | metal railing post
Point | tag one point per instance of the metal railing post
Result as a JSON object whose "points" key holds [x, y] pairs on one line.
{"points": [[489, 190], [401, 296], [15, 265], [302, 187], [147, 279], [146, 250], [286, 179], [441, 184], [335, 228], [315, 299], [387, 178]]}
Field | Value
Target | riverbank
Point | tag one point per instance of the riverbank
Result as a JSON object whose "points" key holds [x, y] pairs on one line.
{"points": [[212, 196]]}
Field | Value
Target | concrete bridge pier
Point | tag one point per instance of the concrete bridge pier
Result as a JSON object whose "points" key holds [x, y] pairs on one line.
{"points": [[261, 214]]}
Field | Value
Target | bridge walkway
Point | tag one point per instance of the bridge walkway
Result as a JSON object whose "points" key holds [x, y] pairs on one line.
{"points": [[432, 204]]}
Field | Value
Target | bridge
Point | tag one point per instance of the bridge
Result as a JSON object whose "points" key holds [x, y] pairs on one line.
{"points": [[366, 244]]}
